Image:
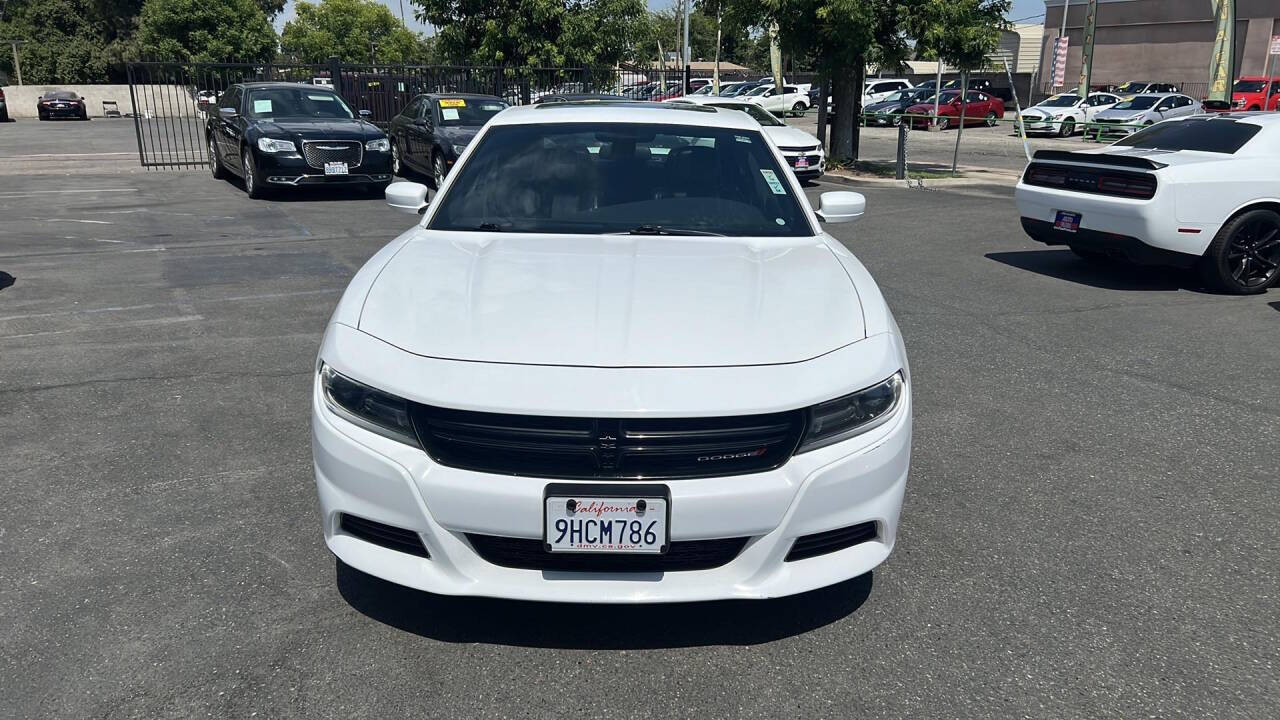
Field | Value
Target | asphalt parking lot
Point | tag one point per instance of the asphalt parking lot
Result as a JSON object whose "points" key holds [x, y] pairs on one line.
{"points": [[1091, 529]]}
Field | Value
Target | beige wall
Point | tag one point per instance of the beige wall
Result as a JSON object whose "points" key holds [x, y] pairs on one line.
{"points": [[1158, 40], [153, 100]]}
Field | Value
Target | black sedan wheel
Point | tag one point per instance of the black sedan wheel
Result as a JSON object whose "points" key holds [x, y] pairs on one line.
{"points": [[252, 183], [1244, 257], [44, 116], [396, 168], [438, 170], [215, 165]]}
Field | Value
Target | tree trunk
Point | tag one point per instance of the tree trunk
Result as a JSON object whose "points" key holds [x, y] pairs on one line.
{"points": [[860, 82], [964, 105], [715, 73], [823, 84], [843, 96], [775, 57]]}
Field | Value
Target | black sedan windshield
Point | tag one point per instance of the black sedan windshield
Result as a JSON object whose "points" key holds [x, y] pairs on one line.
{"points": [[592, 178], [468, 112], [296, 103]]}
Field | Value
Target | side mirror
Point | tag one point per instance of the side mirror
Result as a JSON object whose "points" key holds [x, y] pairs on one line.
{"points": [[407, 197], [420, 122], [840, 206], [366, 114], [227, 113]]}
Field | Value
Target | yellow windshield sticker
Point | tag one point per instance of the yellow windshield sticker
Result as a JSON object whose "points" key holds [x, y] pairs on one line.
{"points": [[453, 102]]}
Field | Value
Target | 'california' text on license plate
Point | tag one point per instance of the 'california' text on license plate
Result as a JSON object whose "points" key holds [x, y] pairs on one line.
{"points": [[602, 522]]}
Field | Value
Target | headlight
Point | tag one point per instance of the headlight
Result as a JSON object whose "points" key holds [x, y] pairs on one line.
{"points": [[842, 418], [272, 145], [459, 148], [1057, 117], [379, 145], [371, 409]]}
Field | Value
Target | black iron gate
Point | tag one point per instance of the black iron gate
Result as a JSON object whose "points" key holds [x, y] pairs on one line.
{"points": [[170, 101]]}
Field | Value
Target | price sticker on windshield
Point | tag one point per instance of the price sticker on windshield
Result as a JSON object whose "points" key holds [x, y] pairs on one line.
{"points": [[453, 103], [775, 184]]}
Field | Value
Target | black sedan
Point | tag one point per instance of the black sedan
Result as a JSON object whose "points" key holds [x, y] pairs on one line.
{"points": [[889, 110], [278, 135], [432, 131], [63, 104]]}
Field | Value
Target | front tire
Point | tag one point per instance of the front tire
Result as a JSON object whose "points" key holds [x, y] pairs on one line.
{"points": [[991, 119], [944, 123], [438, 170], [1244, 257], [43, 117], [1068, 128], [253, 185], [798, 109], [397, 168], [215, 163]]}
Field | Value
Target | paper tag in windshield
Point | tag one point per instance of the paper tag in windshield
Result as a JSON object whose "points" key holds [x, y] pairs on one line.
{"points": [[262, 106], [449, 113], [774, 184], [453, 103], [742, 139]]}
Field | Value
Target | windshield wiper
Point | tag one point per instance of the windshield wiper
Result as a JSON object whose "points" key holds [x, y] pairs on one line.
{"points": [[663, 230]]}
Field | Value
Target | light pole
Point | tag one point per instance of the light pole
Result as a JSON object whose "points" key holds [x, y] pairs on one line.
{"points": [[17, 67]]}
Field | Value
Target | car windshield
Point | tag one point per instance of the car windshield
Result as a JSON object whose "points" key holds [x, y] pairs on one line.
{"points": [[1061, 101], [1249, 86], [762, 116], [468, 112], [704, 90], [1132, 87], [296, 103], [1142, 102], [1217, 135], [760, 90], [901, 95], [624, 178]]}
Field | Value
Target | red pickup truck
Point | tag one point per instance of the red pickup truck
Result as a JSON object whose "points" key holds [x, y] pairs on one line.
{"points": [[1250, 93]]}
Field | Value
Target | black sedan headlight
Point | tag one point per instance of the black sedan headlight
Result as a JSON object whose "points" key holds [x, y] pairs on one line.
{"points": [[370, 408], [853, 414]]}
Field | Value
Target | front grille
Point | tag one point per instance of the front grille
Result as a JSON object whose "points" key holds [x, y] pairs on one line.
{"points": [[319, 152], [607, 448], [1095, 181], [803, 149], [388, 536], [528, 554], [830, 541]]}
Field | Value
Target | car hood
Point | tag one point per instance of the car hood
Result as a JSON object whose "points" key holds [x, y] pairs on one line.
{"points": [[615, 301], [319, 129], [883, 106], [786, 136], [460, 135]]}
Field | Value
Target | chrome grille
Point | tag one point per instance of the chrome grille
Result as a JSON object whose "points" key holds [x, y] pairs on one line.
{"points": [[319, 152]]}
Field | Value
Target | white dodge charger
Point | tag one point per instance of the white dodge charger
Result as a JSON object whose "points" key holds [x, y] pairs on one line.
{"points": [[617, 360], [1198, 192]]}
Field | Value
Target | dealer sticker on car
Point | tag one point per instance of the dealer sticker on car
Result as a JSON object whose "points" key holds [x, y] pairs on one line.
{"points": [[335, 168], [600, 523], [1068, 221]]}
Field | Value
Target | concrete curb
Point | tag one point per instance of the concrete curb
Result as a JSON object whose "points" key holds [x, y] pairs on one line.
{"points": [[972, 177]]}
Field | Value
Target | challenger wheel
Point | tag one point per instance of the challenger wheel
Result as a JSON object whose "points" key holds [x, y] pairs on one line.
{"points": [[1244, 257]]}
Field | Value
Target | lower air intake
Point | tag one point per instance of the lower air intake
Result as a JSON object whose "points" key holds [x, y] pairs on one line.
{"points": [[830, 541], [528, 554], [388, 536]]}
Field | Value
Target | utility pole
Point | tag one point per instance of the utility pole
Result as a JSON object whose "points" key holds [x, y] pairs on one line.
{"points": [[17, 67], [688, 5]]}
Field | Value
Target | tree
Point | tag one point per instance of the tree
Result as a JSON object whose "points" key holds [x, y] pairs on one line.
{"points": [[532, 33], [354, 30], [962, 33], [68, 41], [205, 31]]}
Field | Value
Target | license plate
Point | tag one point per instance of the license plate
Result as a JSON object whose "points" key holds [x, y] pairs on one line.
{"points": [[1067, 221], [606, 519], [802, 162], [335, 168]]}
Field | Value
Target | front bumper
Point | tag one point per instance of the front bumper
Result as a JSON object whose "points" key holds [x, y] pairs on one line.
{"points": [[363, 474], [292, 169], [72, 111], [816, 162]]}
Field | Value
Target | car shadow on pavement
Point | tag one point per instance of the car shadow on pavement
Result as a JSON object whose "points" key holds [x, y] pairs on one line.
{"points": [[6, 280], [1275, 306], [597, 627], [1115, 275]]}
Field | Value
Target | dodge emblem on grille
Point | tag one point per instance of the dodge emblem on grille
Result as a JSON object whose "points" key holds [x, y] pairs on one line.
{"points": [[732, 456]]}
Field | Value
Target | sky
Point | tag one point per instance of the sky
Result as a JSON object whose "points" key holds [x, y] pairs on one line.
{"points": [[1022, 10]]}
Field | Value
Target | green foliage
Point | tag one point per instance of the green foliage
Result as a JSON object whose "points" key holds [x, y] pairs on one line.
{"points": [[271, 8], [961, 32], [205, 31], [736, 43], [530, 33], [346, 28], [68, 41]]}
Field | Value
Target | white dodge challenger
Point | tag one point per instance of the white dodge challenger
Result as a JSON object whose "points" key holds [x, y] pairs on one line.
{"points": [[617, 360], [1200, 192]]}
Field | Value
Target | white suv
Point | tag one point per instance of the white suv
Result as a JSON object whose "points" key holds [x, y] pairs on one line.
{"points": [[878, 89], [793, 98], [617, 360]]}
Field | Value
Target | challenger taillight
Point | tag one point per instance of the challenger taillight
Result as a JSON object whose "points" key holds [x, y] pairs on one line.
{"points": [[1134, 186], [1047, 175]]}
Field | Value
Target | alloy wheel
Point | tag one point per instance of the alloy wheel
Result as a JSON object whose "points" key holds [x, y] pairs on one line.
{"points": [[395, 159], [991, 119], [247, 165], [213, 157], [437, 170], [1253, 253]]}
